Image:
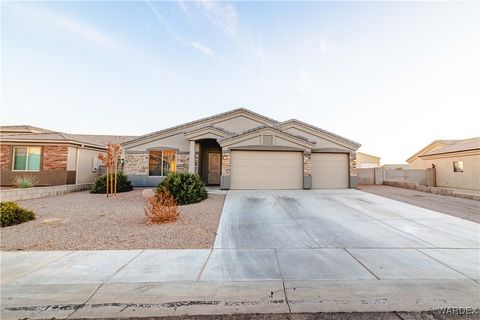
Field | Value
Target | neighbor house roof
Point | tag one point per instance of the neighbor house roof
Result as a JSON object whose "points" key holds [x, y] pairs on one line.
{"points": [[458, 146], [97, 141], [368, 155], [430, 146], [22, 129]]}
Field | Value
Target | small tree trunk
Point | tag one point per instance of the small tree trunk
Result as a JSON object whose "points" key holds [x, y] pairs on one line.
{"points": [[116, 169], [106, 178]]}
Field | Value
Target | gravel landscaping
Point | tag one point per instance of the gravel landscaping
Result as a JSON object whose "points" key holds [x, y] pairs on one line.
{"points": [[463, 208], [85, 221]]}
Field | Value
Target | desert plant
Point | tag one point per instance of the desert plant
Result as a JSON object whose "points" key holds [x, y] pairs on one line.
{"points": [[122, 185], [25, 181], [110, 161], [186, 188], [11, 214], [161, 208]]}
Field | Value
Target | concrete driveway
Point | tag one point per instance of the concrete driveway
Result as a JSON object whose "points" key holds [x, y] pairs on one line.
{"points": [[275, 252]]}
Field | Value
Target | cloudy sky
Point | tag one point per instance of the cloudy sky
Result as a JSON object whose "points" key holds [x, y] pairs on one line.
{"points": [[392, 76]]}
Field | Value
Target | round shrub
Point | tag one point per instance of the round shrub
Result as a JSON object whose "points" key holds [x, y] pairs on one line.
{"points": [[186, 188], [123, 184], [11, 214]]}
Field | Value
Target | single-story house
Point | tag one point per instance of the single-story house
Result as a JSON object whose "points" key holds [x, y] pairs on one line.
{"points": [[241, 149], [416, 162], [457, 163], [54, 158], [365, 160]]}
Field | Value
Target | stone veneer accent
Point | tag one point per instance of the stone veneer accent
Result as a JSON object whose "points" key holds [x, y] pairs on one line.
{"points": [[353, 164], [182, 161], [225, 162], [54, 157], [6, 157], [307, 164], [136, 164], [197, 162]]}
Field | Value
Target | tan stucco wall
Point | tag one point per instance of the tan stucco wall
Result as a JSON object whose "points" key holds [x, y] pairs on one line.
{"points": [[85, 172], [248, 142], [238, 124], [419, 163], [177, 141], [468, 179], [367, 161], [72, 159]]}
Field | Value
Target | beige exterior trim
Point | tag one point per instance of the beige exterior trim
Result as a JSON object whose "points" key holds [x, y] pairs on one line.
{"points": [[229, 115], [235, 141], [207, 133], [451, 154], [323, 134], [426, 149]]}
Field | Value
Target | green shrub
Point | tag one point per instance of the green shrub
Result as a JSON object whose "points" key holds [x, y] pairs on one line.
{"points": [[123, 184], [11, 214], [25, 181], [186, 188]]}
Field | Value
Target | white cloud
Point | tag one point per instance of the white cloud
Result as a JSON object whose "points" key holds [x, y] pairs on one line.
{"points": [[222, 15], [40, 16], [56, 23]]}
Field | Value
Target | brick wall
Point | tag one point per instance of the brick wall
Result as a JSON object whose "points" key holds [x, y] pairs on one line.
{"points": [[6, 157], [54, 157]]}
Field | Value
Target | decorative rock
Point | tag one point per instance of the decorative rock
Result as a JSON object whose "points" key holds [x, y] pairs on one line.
{"points": [[148, 193]]}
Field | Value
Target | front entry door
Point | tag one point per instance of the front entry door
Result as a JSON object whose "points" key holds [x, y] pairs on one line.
{"points": [[213, 168]]}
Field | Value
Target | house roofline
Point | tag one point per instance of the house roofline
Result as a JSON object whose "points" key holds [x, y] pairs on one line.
{"points": [[190, 123]]}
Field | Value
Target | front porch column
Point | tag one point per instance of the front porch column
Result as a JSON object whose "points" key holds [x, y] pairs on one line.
{"points": [[191, 157]]}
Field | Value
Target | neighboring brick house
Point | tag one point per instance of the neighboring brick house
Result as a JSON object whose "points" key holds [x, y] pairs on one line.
{"points": [[55, 158], [241, 149]]}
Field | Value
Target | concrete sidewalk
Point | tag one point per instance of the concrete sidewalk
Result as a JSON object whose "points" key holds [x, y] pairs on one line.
{"points": [[275, 252], [93, 284]]}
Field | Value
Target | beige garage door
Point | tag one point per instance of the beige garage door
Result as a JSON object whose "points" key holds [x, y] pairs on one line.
{"points": [[329, 170], [266, 170]]}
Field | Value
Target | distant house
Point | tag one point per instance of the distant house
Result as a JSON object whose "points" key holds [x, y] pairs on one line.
{"points": [[55, 158], [365, 160], [457, 162]]}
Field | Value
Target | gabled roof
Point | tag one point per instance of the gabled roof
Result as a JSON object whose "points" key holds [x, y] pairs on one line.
{"points": [[97, 141], [429, 147], [22, 129], [314, 128], [260, 129], [203, 120], [458, 146]]}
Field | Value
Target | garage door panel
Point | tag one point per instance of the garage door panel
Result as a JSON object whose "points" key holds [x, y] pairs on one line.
{"points": [[330, 170], [266, 170]]}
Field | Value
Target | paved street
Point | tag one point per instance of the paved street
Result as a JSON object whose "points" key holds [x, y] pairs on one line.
{"points": [[276, 252]]}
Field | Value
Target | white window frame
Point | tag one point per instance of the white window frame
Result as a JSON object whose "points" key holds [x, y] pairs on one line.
{"points": [[26, 161], [161, 161]]}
